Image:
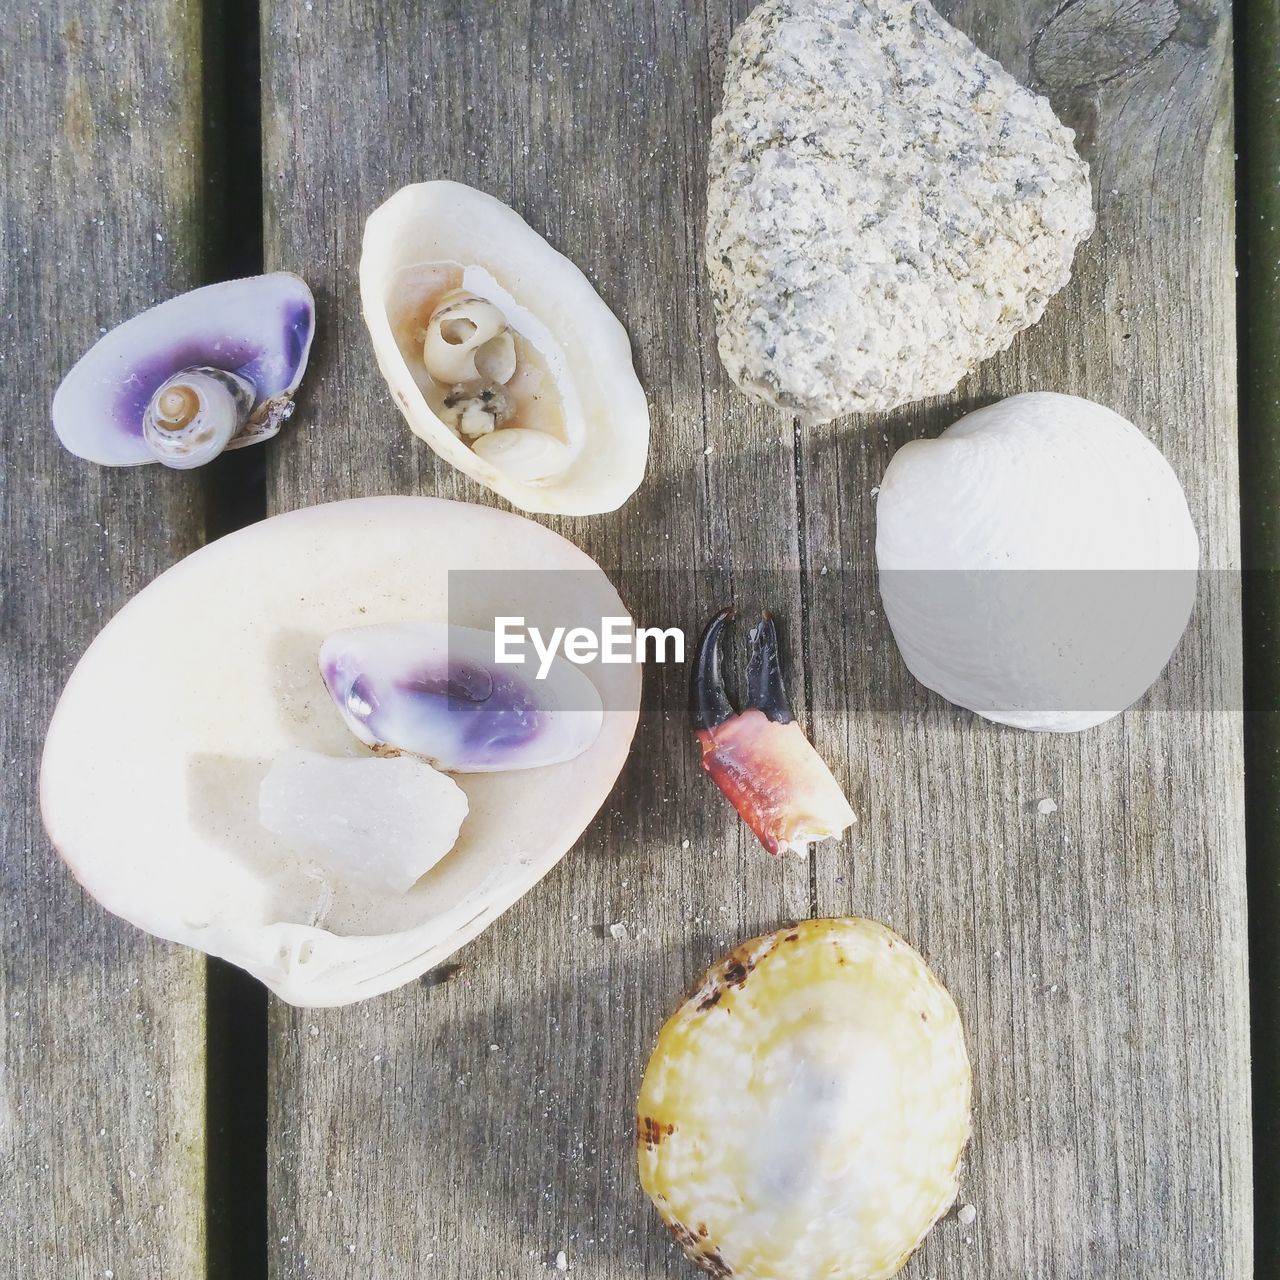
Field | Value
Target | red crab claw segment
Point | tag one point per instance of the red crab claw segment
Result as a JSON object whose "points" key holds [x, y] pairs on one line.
{"points": [[760, 757]]}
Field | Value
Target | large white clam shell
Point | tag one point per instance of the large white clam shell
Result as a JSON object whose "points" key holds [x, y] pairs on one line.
{"points": [[1037, 561], [155, 757], [549, 303]]}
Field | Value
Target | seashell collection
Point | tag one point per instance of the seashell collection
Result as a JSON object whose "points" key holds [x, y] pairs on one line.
{"points": [[377, 790]]}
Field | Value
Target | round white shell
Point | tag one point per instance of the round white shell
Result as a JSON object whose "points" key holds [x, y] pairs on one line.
{"points": [[805, 1110], [166, 729], [1037, 561], [551, 304]]}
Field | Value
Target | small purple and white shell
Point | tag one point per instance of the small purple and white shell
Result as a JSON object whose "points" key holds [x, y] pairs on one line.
{"points": [[437, 692], [209, 370]]}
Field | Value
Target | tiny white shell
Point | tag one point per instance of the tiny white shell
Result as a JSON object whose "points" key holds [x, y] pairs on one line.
{"points": [[526, 455], [550, 304], [1037, 561]]}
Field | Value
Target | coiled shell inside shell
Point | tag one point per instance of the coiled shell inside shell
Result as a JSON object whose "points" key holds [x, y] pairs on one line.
{"points": [[499, 352], [252, 336]]}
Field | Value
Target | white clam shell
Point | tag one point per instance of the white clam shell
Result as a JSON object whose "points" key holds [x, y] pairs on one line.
{"points": [[523, 455], [1037, 561], [549, 303], [174, 716]]}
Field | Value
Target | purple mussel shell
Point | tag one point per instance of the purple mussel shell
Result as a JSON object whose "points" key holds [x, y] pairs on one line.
{"points": [[436, 691], [259, 327]]}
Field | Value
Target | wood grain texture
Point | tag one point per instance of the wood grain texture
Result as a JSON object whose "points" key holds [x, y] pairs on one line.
{"points": [[499, 1105], [1098, 954], [476, 1126], [101, 1028]]}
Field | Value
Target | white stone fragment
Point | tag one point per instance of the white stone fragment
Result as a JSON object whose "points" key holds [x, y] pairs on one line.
{"points": [[887, 206], [967, 1215], [383, 822], [1047, 806]]}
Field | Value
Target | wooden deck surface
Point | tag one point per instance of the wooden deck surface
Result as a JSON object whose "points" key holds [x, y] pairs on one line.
{"points": [[102, 1048], [472, 1128]]}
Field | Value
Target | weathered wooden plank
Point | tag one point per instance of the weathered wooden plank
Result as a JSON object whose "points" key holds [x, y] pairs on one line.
{"points": [[1098, 953], [101, 1028], [1259, 172], [508, 1092], [592, 121]]}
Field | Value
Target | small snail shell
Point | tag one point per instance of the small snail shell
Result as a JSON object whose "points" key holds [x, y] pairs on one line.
{"points": [[194, 415], [475, 412], [468, 340], [526, 455]]}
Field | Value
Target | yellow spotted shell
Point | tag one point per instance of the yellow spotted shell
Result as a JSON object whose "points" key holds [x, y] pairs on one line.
{"points": [[805, 1110]]}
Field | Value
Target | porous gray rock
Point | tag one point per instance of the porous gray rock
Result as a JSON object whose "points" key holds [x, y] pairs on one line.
{"points": [[887, 206]]}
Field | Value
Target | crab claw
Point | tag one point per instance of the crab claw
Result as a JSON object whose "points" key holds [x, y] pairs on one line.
{"points": [[760, 757]]}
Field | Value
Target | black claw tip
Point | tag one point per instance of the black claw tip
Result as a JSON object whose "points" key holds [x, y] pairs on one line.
{"points": [[709, 705], [765, 687]]}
